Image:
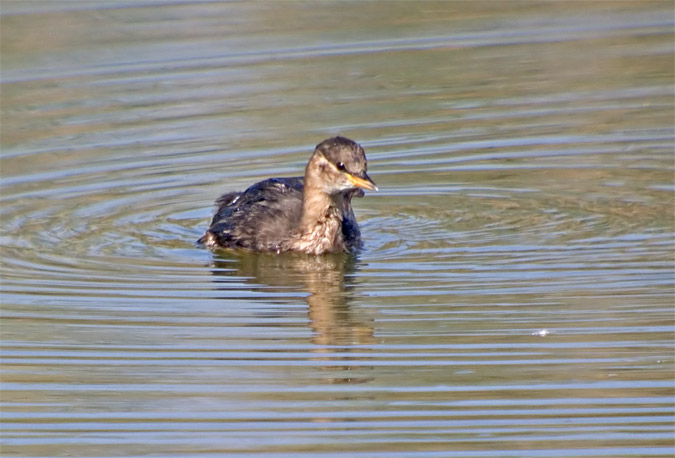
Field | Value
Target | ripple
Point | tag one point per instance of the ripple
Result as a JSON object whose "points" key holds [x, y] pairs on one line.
{"points": [[514, 296]]}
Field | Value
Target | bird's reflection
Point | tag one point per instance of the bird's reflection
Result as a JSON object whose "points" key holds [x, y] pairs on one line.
{"points": [[338, 332]]}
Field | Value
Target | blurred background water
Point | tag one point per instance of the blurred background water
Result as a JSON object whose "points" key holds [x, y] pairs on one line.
{"points": [[515, 294]]}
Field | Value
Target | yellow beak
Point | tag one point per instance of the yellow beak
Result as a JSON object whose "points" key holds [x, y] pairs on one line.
{"points": [[366, 183]]}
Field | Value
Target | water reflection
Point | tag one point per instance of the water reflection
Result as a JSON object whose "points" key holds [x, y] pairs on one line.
{"points": [[525, 156], [339, 334]]}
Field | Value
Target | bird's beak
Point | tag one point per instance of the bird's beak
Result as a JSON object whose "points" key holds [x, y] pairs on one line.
{"points": [[363, 182]]}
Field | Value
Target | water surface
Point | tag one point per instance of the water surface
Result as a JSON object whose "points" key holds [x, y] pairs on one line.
{"points": [[515, 294]]}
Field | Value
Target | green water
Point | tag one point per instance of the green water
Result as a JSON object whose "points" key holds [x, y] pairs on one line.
{"points": [[515, 294]]}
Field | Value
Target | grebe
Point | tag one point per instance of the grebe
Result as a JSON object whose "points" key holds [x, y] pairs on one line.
{"points": [[311, 214]]}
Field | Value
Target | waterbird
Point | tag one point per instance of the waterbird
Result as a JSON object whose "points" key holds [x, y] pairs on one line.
{"points": [[311, 214]]}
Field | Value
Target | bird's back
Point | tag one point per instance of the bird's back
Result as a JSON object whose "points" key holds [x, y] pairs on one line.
{"points": [[259, 218]]}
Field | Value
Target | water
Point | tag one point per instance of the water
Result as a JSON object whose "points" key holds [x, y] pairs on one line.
{"points": [[515, 294]]}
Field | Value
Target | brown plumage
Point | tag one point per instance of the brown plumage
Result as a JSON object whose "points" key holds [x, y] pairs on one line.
{"points": [[310, 214]]}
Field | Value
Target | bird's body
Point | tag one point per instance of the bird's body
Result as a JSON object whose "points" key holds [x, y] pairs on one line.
{"points": [[310, 214]]}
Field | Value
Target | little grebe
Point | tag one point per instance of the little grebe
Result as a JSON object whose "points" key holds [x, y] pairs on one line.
{"points": [[310, 215]]}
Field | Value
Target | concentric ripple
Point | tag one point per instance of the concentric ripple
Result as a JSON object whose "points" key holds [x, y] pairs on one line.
{"points": [[514, 297]]}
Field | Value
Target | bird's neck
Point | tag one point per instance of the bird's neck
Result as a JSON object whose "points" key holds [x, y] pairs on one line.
{"points": [[320, 229], [319, 207]]}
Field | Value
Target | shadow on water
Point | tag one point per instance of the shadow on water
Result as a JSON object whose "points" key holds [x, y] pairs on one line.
{"points": [[327, 286]]}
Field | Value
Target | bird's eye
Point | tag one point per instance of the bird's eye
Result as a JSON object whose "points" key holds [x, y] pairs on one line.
{"points": [[340, 166]]}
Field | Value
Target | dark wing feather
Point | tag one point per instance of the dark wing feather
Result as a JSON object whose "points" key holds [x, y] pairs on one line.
{"points": [[258, 218], [266, 214]]}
